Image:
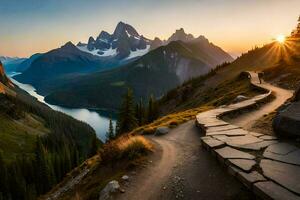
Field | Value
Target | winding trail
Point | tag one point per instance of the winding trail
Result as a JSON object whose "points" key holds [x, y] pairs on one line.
{"points": [[181, 169], [246, 120]]}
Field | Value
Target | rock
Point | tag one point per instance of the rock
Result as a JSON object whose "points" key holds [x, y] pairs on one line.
{"points": [[268, 137], [241, 140], [292, 157], [228, 152], [255, 146], [221, 128], [281, 148], [284, 174], [233, 132], [110, 188], [240, 98], [161, 131], [243, 164], [125, 178], [249, 178], [212, 143], [287, 122], [122, 191], [270, 190]]}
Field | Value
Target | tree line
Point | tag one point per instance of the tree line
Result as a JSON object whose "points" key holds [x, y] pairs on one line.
{"points": [[68, 144], [133, 114]]}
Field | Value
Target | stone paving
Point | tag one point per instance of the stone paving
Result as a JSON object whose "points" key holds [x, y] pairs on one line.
{"points": [[267, 166]]}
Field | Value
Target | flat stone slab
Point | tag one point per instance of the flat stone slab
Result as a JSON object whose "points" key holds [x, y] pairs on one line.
{"points": [[281, 148], [284, 174], [255, 146], [212, 143], [242, 140], [292, 157], [233, 132], [268, 137], [248, 179], [228, 152], [220, 123], [270, 190], [221, 128], [255, 134], [243, 164]]}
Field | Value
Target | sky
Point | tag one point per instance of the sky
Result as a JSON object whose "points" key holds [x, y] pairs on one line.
{"points": [[37, 26]]}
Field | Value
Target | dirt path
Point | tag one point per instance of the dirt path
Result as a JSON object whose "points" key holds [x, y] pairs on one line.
{"points": [[181, 169], [246, 120]]}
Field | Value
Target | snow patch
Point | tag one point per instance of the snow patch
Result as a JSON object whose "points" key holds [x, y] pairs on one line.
{"points": [[138, 52], [106, 53]]}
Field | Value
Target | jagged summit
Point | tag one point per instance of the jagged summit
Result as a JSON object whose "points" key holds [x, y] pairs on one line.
{"points": [[180, 35], [124, 43]]}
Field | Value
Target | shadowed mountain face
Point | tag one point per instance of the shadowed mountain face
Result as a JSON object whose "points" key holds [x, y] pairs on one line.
{"points": [[59, 62], [154, 73]]}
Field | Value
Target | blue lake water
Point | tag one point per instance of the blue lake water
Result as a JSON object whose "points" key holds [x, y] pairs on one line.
{"points": [[98, 120]]}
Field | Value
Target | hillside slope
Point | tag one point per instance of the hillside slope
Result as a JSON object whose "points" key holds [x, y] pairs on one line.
{"points": [[279, 62], [34, 138]]}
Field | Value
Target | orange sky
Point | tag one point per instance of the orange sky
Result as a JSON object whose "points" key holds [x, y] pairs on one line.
{"points": [[234, 25]]}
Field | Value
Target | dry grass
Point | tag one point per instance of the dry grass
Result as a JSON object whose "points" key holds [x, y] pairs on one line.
{"points": [[125, 143], [171, 120]]}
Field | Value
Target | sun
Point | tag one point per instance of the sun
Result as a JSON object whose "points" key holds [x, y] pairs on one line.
{"points": [[280, 39]]}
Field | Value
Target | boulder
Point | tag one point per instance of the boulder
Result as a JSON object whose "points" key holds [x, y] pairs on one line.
{"points": [[125, 178], [287, 122], [240, 98], [109, 189], [161, 131]]}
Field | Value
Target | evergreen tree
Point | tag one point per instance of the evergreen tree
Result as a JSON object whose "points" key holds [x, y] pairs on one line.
{"points": [[152, 112], [110, 134], [3, 177], [140, 112], [127, 120], [42, 168]]}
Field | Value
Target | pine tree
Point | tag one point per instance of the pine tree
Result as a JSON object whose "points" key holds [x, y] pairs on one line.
{"points": [[152, 112], [110, 134], [42, 168], [3, 177], [140, 112], [127, 120]]}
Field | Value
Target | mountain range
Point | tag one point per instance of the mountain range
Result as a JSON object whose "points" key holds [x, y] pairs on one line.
{"points": [[105, 66]]}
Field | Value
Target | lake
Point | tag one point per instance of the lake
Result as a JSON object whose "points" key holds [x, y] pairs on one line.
{"points": [[99, 120]]}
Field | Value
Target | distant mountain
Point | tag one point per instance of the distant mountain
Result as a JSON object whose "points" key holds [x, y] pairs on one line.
{"points": [[65, 60], [180, 35], [4, 59], [25, 64], [154, 73], [124, 43], [182, 58]]}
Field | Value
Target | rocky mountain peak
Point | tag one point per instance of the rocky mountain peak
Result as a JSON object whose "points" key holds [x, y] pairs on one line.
{"points": [[104, 36], [125, 29], [180, 35], [68, 45]]}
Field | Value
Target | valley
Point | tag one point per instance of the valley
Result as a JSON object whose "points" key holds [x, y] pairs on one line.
{"points": [[98, 120]]}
